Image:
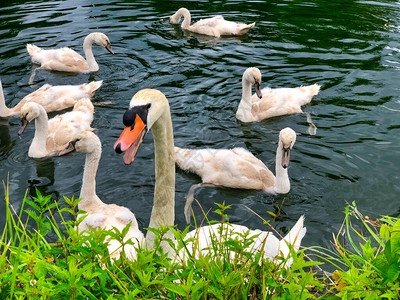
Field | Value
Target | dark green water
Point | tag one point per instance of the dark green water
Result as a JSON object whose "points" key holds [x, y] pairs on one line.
{"points": [[350, 48]]}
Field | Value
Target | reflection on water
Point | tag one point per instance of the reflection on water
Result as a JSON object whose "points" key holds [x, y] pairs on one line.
{"points": [[350, 49], [45, 176], [6, 144]]}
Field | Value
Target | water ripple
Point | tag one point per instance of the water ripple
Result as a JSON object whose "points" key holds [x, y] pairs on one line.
{"points": [[351, 50]]}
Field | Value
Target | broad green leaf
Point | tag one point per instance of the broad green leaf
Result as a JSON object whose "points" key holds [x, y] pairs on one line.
{"points": [[395, 239], [176, 288]]}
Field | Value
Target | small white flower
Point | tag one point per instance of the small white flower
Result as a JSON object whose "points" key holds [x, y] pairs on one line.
{"points": [[32, 282]]}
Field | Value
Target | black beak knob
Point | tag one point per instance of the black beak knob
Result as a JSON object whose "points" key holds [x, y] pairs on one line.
{"points": [[118, 149]]}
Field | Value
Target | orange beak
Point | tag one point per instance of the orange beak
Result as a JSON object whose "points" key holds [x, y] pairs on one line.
{"points": [[130, 140]]}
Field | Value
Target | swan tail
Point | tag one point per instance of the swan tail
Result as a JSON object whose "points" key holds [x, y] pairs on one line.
{"points": [[293, 238], [182, 158], [295, 235], [243, 28], [91, 87], [311, 90], [84, 105], [32, 49]]}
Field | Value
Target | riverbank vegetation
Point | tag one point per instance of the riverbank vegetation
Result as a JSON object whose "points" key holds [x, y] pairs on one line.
{"points": [[43, 257]]}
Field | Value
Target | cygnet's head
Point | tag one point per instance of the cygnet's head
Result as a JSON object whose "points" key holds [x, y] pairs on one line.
{"points": [[176, 17], [100, 39], [253, 76], [29, 111], [86, 142], [287, 138]]}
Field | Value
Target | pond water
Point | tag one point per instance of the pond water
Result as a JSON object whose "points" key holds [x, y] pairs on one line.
{"points": [[350, 48]]}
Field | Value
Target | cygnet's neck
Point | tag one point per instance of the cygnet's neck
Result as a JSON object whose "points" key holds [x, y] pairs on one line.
{"points": [[38, 145], [88, 191], [186, 17], [243, 112], [282, 183], [246, 90], [87, 49], [4, 110]]}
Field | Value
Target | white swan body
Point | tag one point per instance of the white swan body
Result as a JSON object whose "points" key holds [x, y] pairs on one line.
{"points": [[238, 168], [215, 26], [268, 102], [52, 98], [52, 136], [66, 59], [149, 109], [271, 248], [100, 214]]}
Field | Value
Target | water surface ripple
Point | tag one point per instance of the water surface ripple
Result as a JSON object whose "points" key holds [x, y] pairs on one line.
{"points": [[350, 48]]}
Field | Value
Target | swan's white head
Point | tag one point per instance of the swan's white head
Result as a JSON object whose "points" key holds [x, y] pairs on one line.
{"points": [[253, 76], [176, 17], [287, 138], [86, 142], [144, 110], [100, 39], [29, 111]]}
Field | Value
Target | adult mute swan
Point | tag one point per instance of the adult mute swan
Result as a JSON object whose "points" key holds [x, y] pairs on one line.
{"points": [[149, 109], [215, 26], [66, 59], [268, 103], [52, 98], [52, 136], [100, 214]]}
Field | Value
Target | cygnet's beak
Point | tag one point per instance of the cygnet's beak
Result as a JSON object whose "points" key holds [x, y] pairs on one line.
{"points": [[286, 157], [24, 122], [70, 148], [130, 140], [108, 47], [257, 87]]}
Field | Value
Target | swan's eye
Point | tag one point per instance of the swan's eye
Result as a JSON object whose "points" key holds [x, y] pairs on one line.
{"points": [[148, 105]]}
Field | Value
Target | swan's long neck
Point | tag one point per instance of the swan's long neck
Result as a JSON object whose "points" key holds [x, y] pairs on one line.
{"points": [[163, 213], [88, 190], [246, 92], [282, 183], [38, 145], [4, 110], [243, 112], [87, 49], [183, 12]]}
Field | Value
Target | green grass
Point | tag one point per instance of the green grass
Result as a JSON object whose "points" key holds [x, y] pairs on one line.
{"points": [[70, 265], [370, 267]]}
